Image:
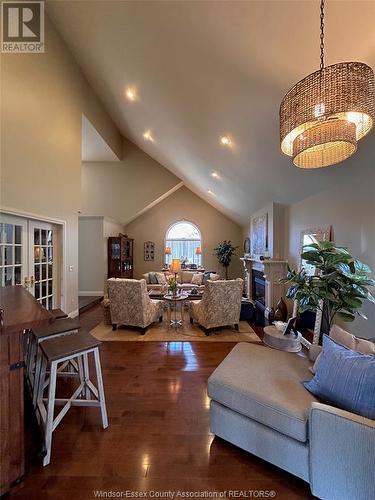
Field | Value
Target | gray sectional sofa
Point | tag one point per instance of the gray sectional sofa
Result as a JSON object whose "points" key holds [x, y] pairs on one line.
{"points": [[259, 404]]}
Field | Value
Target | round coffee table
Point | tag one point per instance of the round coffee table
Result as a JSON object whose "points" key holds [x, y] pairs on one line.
{"points": [[277, 340], [173, 300]]}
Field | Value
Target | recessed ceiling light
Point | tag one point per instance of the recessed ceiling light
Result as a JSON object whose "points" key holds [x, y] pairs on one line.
{"points": [[147, 135], [131, 93], [215, 175], [210, 192], [225, 140]]}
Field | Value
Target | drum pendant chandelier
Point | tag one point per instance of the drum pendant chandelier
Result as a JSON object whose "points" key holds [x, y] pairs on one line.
{"points": [[324, 115]]}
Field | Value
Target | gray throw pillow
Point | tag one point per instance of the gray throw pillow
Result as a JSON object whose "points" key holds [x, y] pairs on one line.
{"points": [[206, 277], [152, 278]]}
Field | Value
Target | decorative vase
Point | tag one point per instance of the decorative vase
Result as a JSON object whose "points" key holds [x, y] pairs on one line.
{"points": [[271, 316], [281, 312]]}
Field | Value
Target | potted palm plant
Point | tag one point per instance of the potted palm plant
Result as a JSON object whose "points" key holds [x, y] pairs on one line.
{"points": [[224, 253], [338, 288]]}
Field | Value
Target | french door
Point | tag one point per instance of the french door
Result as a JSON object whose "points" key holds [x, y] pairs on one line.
{"points": [[29, 257], [42, 279]]}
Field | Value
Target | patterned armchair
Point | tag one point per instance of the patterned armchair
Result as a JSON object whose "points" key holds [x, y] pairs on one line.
{"points": [[220, 305], [106, 305], [130, 304]]}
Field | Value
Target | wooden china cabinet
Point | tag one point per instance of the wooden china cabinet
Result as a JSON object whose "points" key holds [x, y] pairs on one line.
{"points": [[120, 257]]}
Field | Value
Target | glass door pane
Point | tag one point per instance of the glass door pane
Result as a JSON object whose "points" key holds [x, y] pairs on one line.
{"points": [[13, 250], [42, 265]]}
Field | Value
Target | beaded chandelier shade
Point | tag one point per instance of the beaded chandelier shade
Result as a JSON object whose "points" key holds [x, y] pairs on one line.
{"points": [[324, 115]]}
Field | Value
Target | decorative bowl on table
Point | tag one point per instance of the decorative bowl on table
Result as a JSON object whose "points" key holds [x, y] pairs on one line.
{"points": [[280, 325]]}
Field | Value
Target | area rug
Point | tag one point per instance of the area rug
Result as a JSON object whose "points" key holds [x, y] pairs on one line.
{"points": [[161, 332]]}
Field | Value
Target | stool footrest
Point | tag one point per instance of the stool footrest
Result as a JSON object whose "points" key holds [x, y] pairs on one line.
{"points": [[92, 388], [74, 401], [77, 402]]}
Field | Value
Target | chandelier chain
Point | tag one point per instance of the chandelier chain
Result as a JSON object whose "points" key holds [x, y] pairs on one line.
{"points": [[321, 34]]}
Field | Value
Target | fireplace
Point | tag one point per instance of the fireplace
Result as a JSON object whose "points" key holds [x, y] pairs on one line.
{"points": [[259, 289], [262, 279]]}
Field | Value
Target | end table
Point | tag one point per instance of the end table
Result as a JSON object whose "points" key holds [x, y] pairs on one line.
{"points": [[173, 301]]}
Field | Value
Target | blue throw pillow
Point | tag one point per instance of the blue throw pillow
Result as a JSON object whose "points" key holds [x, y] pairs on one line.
{"points": [[345, 378]]}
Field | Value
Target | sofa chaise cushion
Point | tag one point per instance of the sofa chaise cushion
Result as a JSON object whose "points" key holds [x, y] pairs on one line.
{"points": [[277, 399]]}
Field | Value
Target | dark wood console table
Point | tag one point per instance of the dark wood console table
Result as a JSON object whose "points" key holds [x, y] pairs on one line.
{"points": [[19, 311]]}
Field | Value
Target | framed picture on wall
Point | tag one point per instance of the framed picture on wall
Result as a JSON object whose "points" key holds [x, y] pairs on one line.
{"points": [[149, 250], [259, 235]]}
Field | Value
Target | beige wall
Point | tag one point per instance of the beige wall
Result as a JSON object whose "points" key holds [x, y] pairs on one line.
{"points": [[43, 97], [93, 238], [350, 210], [121, 190], [90, 256], [183, 204], [96, 114]]}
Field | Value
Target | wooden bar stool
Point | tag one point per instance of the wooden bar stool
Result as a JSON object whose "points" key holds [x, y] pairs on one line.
{"points": [[34, 356], [59, 350]]}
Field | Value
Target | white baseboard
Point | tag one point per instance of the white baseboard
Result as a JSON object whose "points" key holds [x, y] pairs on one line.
{"points": [[74, 313], [95, 293]]}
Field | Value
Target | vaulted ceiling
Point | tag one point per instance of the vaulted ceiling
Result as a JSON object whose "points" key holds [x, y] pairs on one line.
{"points": [[207, 69]]}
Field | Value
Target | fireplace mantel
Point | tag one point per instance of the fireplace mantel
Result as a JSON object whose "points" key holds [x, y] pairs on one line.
{"points": [[263, 261], [273, 270]]}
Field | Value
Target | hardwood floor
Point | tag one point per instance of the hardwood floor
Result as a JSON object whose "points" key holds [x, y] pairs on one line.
{"points": [[88, 302], [158, 438]]}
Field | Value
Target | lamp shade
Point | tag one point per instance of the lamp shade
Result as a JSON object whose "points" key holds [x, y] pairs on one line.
{"points": [[325, 144], [198, 251], [168, 251], [324, 115], [176, 266]]}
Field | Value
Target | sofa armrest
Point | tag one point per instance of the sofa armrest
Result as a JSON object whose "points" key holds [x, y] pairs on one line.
{"points": [[313, 352], [342, 454]]}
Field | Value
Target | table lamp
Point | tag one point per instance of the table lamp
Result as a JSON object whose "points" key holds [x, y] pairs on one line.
{"points": [[198, 251], [176, 267], [167, 251]]}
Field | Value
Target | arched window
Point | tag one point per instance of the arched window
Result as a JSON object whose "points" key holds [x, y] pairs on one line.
{"points": [[184, 238]]}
